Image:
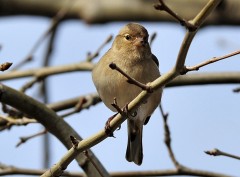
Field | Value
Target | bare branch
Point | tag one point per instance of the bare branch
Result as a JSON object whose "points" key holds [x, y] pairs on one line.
{"points": [[91, 99], [167, 140], [135, 103], [130, 80], [152, 38], [212, 60], [53, 123], [236, 90], [162, 6], [9, 170], [8, 122], [54, 22], [118, 10], [47, 71], [26, 138], [217, 152], [90, 56], [205, 78], [77, 108]]}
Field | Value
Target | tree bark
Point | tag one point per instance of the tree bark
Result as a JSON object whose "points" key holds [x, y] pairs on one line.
{"points": [[53, 123], [101, 11]]}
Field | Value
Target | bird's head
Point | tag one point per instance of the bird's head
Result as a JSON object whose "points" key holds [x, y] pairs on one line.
{"points": [[132, 38]]}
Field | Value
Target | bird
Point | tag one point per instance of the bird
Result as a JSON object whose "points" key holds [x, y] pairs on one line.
{"points": [[131, 52]]}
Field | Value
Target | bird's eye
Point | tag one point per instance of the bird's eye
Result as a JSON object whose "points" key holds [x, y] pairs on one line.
{"points": [[127, 37]]}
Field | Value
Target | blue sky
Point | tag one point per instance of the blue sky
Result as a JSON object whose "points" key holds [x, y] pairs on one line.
{"points": [[200, 117]]}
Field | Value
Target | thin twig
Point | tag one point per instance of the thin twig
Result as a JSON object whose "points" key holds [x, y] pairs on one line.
{"points": [[90, 56], [167, 139], [8, 122], [152, 38], [182, 21], [44, 94], [130, 80], [26, 138], [29, 84], [77, 108], [217, 152], [207, 62], [55, 20], [236, 90], [91, 99], [16, 118]]}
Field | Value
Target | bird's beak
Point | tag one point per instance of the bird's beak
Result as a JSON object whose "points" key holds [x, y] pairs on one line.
{"points": [[139, 42]]}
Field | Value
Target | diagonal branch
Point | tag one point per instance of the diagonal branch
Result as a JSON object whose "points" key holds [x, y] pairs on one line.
{"points": [[197, 21], [53, 123], [135, 103], [130, 80], [54, 22], [212, 60], [183, 22]]}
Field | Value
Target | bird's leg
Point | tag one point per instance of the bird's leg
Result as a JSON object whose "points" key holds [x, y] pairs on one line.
{"points": [[131, 80], [108, 130], [123, 112]]}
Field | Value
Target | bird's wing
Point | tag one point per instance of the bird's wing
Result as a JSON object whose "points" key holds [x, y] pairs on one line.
{"points": [[155, 60]]}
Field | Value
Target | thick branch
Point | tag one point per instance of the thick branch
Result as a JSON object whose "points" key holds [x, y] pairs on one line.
{"points": [[50, 121], [99, 11], [206, 78], [11, 170]]}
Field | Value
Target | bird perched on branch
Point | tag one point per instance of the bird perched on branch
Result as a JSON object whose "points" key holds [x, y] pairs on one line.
{"points": [[131, 52]]}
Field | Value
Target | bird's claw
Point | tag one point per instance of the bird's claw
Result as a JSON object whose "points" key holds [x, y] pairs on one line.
{"points": [[108, 129]]}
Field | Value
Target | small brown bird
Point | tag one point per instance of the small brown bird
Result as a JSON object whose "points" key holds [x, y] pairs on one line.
{"points": [[131, 52]]}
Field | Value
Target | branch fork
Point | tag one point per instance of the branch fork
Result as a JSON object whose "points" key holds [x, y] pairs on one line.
{"points": [[163, 7]]}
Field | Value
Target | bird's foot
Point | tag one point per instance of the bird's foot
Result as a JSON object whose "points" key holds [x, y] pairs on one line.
{"points": [[124, 111], [108, 129]]}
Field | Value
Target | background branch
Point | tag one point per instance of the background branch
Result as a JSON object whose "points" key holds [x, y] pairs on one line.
{"points": [[50, 121], [135, 103], [10, 170], [99, 11], [217, 152]]}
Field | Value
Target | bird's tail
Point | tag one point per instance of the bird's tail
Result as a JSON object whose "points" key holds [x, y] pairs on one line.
{"points": [[134, 151]]}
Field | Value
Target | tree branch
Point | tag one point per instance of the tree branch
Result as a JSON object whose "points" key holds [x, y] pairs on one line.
{"points": [[47, 71], [121, 10], [51, 122], [217, 152], [11, 170], [212, 60], [135, 103]]}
